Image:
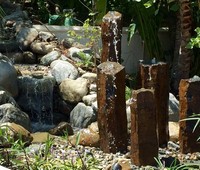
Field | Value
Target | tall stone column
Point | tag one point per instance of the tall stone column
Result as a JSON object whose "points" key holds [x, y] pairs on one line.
{"points": [[189, 95], [111, 37], [112, 120], [144, 143], [156, 76]]}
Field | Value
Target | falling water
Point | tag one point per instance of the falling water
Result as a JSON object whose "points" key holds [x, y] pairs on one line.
{"points": [[36, 99], [150, 77], [116, 39]]}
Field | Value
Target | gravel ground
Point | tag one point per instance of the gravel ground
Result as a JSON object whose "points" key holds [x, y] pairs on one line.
{"points": [[62, 150]]}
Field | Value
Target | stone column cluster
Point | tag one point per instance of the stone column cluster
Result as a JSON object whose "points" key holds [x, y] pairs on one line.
{"points": [[149, 107]]}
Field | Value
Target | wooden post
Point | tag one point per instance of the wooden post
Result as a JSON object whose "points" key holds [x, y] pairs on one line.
{"points": [[111, 37], [144, 142], [156, 76], [112, 120], [189, 94]]}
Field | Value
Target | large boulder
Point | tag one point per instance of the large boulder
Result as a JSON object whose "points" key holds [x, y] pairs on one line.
{"points": [[26, 36], [63, 128], [8, 76], [74, 90], [89, 99], [5, 97], [87, 138], [50, 57], [173, 108], [12, 132], [41, 47], [10, 113], [62, 70], [82, 116]]}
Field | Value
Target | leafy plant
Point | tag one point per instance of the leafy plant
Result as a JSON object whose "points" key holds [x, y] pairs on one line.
{"points": [[2, 13], [86, 60], [175, 166], [128, 93], [45, 158], [194, 117], [144, 20], [91, 34], [195, 41]]}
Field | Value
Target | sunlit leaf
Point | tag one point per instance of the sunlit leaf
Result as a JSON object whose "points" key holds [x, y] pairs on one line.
{"points": [[131, 31]]}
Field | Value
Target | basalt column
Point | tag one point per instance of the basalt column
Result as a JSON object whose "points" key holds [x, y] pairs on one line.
{"points": [[144, 143], [189, 94], [112, 120], [156, 76], [111, 37]]}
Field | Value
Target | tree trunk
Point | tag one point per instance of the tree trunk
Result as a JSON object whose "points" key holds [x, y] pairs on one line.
{"points": [[182, 55]]}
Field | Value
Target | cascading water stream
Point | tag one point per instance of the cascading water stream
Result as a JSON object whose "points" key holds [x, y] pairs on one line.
{"points": [[36, 99]]}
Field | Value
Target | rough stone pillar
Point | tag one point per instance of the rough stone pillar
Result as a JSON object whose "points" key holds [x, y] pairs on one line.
{"points": [[189, 94], [156, 76], [111, 37], [112, 120], [144, 143]]}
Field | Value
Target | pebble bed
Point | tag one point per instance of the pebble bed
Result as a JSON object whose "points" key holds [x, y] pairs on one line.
{"points": [[62, 150]]}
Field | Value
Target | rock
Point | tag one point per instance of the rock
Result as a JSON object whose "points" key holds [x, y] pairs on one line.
{"points": [[9, 45], [125, 164], [173, 108], [29, 57], [26, 36], [128, 114], [42, 47], [13, 132], [94, 127], [61, 106], [93, 87], [174, 131], [3, 168], [41, 137], [73, 90], [95, 106], [15, 57], [63, 128], [10, 113], [92, 77], [81, 71], [116, 166], [6, 97], [36, 97], [82, 116], [87, 138], [63, 57], [8, 76], [50, 57], [121, 163], [46, 36], [89, 99], [62, 70], [67, 42], [16, 16], [73, 54]]}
